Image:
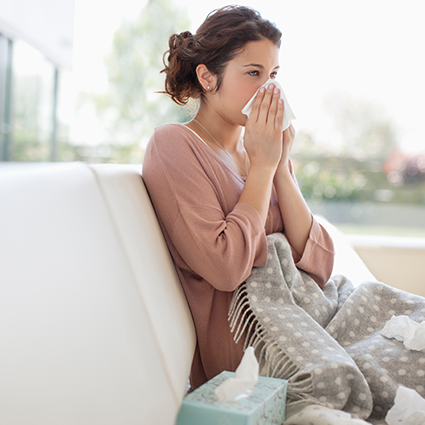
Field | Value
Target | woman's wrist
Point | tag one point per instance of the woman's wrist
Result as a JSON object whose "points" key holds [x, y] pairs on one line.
{"points": [[258, 188], [283, 173], [261, 169]]}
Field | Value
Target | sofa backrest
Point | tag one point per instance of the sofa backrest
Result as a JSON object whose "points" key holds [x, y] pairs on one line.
{"points": [[94, 326]]}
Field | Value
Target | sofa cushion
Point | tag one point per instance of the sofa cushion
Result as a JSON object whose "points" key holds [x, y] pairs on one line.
{"points": [[81, 325]]}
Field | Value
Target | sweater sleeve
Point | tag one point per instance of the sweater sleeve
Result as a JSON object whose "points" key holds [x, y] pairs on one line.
{"points": [[188, 200], [318, 256]]}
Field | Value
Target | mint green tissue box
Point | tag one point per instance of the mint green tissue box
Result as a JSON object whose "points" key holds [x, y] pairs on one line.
{"points": [[265, 406]]}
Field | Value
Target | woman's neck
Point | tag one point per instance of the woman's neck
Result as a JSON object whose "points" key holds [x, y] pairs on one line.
{"points": [[227, 134]]}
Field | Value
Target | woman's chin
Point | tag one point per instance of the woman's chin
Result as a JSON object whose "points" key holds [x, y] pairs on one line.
{"points": [[243, 120]]}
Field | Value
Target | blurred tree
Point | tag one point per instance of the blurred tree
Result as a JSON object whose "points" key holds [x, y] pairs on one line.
{"points": [[31, 118], [365, 129], [305, 143], [130, 109]]}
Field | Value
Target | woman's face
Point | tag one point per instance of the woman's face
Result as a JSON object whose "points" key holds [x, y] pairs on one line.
{"points": [[243, 76]]}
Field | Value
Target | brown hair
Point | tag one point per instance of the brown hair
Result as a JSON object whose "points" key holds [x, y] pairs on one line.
{"points": [[218, 40]]}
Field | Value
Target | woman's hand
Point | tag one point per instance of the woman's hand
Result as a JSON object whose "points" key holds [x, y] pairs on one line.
{"points": [[269, 148], [263, 130], [263, 143], [295, 213], [287, 141]]}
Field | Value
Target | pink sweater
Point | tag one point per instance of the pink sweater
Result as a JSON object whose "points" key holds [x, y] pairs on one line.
{"points": [[214, 240]]}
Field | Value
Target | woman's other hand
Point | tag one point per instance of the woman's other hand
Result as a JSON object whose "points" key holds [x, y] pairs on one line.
{"points": [[287, 141]]}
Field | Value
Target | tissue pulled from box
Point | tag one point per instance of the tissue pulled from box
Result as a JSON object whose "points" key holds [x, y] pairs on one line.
{"points": [[408, 409], [246, 378], [288, 114], [404, 329]]}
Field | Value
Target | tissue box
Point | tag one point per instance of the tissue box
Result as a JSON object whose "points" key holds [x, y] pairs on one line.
{"points": [[266, 405]]}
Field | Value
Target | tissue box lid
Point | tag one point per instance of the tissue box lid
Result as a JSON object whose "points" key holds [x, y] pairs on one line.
{"points": [[266, 405]]}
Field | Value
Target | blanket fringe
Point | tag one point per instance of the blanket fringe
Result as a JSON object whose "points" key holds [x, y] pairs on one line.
{"points": [[273, 361]]}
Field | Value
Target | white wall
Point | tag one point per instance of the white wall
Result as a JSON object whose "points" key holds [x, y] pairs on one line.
{"points": [[48, 25]]}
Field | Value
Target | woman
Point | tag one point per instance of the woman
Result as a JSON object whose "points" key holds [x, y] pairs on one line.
{"points": [[222, 182]]}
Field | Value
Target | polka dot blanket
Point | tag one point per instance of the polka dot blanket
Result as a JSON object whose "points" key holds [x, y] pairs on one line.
{"points": [[327, 342]]}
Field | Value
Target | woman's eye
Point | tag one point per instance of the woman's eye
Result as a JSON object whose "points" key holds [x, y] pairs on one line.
{"points": [[273, 75], [254, 73]]}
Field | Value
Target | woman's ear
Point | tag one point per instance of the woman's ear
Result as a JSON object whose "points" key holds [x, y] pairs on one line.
{"points": [[205, 77]]}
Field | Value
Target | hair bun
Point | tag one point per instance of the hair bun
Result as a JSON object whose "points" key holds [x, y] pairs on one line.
{"points": [[181, 40], [186, 34]]}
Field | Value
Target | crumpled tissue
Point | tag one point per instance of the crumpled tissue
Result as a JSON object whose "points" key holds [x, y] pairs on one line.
{"points": [[288, 114], [404, 329], [246, 378], [408, 409]]}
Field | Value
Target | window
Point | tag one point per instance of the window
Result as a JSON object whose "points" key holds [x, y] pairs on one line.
{"points": [[352, 71], [32, 105]]}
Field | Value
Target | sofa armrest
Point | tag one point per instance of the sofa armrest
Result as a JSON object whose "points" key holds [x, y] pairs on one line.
{"points": [[347, 261]]}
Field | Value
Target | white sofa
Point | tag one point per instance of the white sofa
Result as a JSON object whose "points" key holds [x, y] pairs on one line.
{"points": [[94, 326]]}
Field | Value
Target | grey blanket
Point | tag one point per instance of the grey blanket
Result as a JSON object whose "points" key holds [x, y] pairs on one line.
{"points": [[327, 342]]}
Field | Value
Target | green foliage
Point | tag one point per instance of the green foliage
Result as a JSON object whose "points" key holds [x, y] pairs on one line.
{"points": [[339, 178], [357, 167], [132, 108]]}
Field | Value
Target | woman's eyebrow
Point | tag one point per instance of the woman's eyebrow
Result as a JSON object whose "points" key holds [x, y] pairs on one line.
{"points": [[255, 64], [259, 65]]}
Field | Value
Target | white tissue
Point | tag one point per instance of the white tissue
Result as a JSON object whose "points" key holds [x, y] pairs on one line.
{"points": [[408, 409], [288, 114], [246, 378], [404, 329]]}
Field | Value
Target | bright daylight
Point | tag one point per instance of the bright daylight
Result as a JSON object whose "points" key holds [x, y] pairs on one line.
{"points": [[212, 213]]}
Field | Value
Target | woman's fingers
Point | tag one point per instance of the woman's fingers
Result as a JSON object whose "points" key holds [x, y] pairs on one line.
{"points": [[266, 104], [269, 107], [278, 124], [256, 104], [271, 117], [263, 135]]}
